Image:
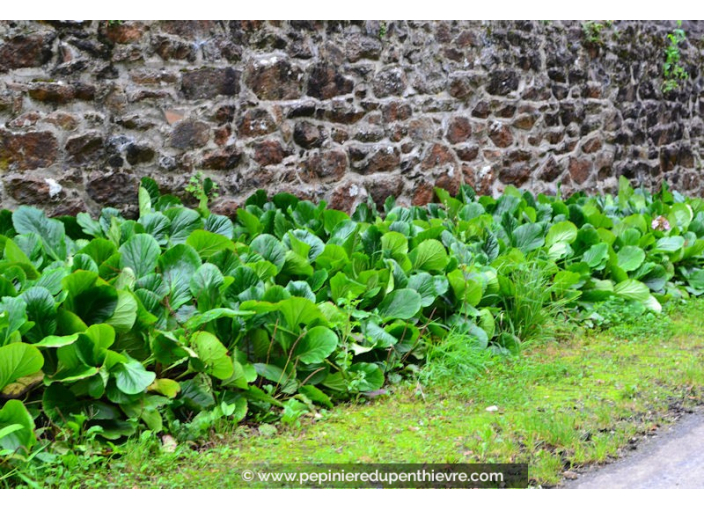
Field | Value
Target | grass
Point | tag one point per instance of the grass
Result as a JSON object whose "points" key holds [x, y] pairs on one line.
{"points": [[561, 406]]}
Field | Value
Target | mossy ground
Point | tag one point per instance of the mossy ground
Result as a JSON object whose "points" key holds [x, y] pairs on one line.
{"points": [[561, 406]]}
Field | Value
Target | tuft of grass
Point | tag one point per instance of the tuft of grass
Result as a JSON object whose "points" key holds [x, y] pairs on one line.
{"points": [[533, 307], [457, 357]]}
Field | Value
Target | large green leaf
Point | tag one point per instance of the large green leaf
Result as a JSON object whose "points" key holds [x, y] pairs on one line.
{"points": [[212, 354], [377, 336], [41, 309], [630, 258], [125, 314], [140, 253], [89, 297], [655, 277], [316, 395], [132, 378], [51, 280], [430, 255], [183, 222], [669, 244], [563, 232], [597, 256], [205, 286], [156, 225], [428, 286], [680, 216], [270, 249], [467, 287], [400, 304], [316, 345], [216, 313], [13, 253], [368, 377], [218, 224], [637, 291], [342, 287], [207, 243], [28, 220], [394, 245], [14, 311], [21, 438], [177, 266], [54, 342], [696, 282], [528, 237], [18, 360], [299, 311]]}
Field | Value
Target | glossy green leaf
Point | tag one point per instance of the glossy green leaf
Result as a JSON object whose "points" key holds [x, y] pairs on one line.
{"points": [[16, 428], [177, 266], [430, 255], [270, 249], [563, 232], [208, 244], [140, 253], [213, 355], [400, 304], [630, 258], [132, 378], [28, 220], [18, 360], [316, 345]]}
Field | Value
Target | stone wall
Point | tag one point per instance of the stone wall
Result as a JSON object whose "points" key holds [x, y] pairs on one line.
{"points": [[340, 110]]}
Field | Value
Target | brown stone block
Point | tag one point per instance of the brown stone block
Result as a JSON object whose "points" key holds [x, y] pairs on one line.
{"points": [[85, 149], [371, 159], [189, 134], [525, 121], [326, 165], [591, 145], [124, 33], [274, 78], [25, 120], [550, 170], [346, 196], [113, 189], [208, 83], [225, 158], [459, 130], [500, 134], [32, 50], [516, 174], [29, 190], [269, 152], [359, 47], [438, 156], [257, 122], [382, 188], [63, 120], [422, 129], [396, 111], [424, 194], [325, 82], [27, 151], [389, 82], [580, 170], [467, 152], [169, 48]]}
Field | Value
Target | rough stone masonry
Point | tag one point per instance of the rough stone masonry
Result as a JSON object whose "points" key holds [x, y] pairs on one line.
{"points": [[340, 110]]}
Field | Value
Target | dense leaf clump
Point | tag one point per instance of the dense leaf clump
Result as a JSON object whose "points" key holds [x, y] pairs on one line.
{"points": [[183, 317]]}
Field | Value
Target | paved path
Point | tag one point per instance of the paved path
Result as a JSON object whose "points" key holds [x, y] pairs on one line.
{"points": [[674, 459]]}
